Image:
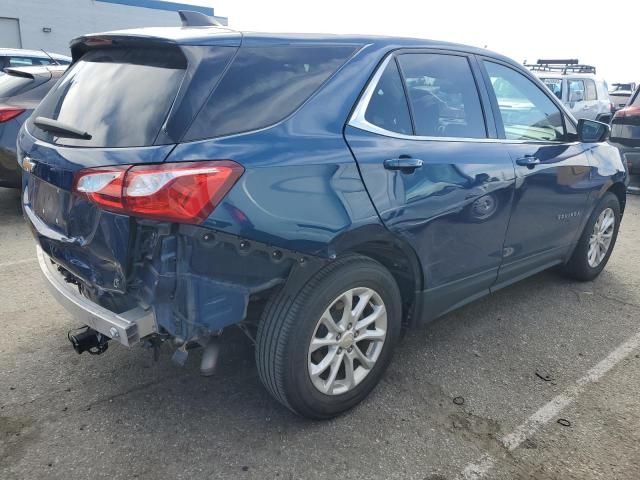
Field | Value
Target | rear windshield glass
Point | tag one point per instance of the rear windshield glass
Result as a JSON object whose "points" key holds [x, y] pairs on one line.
{"points": [[120, 96], [11, 85], [264, 85]]}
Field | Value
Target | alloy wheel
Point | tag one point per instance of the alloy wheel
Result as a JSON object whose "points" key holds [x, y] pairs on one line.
{"points": [[600, 240], [347, 341]]}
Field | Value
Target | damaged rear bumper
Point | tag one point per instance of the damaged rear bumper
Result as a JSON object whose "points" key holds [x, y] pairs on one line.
{"points": [[126, 328]]}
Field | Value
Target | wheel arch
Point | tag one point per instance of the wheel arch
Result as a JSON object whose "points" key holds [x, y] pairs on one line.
{"points": [[619, 189], [395, 254]]}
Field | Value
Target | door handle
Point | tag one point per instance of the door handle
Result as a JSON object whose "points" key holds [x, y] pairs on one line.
{"points": [[529, 161], [403, 163]]}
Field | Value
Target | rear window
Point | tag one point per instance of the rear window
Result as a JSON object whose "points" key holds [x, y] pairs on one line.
{"points": [[11, 84], [264, 85], [120, 96], [28, 61]]}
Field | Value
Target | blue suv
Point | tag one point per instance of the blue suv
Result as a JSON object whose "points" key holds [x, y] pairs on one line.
{"points": [[343, 186]]}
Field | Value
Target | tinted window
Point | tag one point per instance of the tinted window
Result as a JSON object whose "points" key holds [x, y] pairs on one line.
{"points": [[120, 96], [265, 84], [526, 111], [576, 90], [555, 85], [443, 96], [636, 98], [388, 107], [590, 92], [28, 61]]}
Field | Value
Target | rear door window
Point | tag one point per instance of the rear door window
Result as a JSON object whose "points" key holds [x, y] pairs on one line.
{"points": [[576, 90], [263, 85], [590, 90], [443, 95], [388, 108], [120, 96]]}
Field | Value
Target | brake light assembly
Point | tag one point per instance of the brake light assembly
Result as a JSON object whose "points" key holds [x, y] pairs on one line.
{"points": [[185, 192], [627, 112], [9, 113]]}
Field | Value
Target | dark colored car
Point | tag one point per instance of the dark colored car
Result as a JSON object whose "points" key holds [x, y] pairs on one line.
{"points": [[21, 89], [341, 185], [625, 134]]}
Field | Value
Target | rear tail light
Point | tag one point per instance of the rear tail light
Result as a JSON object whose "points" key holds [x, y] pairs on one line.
{"points": [[177, 192], [7, 113], [627, 112]]}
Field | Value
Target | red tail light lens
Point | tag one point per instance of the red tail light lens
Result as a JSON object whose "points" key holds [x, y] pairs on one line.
{"points": [[627, 112], [7, 113], [177, 192]]}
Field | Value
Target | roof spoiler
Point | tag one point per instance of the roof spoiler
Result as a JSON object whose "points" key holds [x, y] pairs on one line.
{"points": [[18, 73], [197, 19]]}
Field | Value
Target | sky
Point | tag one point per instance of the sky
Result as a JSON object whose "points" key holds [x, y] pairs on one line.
{"points": [[522, 30]]}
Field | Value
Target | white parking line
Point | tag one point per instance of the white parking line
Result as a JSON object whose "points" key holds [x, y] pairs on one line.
{"points": [[18, 262], [479, 469]]}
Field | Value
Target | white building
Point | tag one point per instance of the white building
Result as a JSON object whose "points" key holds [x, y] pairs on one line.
{"points": [[51, 24]]}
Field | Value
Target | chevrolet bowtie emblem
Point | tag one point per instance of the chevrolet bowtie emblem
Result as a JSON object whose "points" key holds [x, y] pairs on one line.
{"points": [[28, 165]]}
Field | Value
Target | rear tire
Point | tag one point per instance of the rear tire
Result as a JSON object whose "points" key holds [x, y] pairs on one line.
{"points": [[591, 254], [305, 329]]}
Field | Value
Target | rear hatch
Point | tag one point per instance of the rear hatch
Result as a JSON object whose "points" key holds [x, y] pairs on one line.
{"points": [[134, 96]]}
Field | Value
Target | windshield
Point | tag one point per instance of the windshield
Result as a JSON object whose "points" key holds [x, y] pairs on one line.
{"points": [[622, 87], [555, 85], [120, 96]]}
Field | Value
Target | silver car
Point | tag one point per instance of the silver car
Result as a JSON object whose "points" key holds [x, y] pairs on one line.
{"points": [[577, 86], [18, 57], [584, 94]]}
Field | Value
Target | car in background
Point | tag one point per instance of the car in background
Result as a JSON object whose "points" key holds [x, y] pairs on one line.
{"points": [[577, 87], [21, 90], [625, 134], [620, 94], [17, 57]]}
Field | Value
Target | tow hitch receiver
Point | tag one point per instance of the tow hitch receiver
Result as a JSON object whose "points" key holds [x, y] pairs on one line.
{"points": [[86, 339]]}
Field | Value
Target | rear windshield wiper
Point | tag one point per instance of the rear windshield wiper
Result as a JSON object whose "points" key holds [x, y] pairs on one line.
{"points": [[60, 129]]}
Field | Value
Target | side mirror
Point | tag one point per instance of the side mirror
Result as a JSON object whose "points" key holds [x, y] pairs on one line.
{"points": [[577, 96], [590, 131]]}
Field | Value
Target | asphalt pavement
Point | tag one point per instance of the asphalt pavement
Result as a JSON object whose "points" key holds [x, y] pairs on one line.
{"points": [[544, 350]]}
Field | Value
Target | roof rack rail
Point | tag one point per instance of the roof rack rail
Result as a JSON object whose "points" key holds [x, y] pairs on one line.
{"points": [[563, 66], [197, 19]]}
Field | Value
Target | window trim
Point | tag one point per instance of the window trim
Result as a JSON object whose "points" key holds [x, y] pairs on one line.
{"points": [[357, 118], [566, 119]]}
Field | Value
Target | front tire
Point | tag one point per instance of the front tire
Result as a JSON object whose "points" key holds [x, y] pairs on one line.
{"points": [[321, 349], [597, 240]]}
